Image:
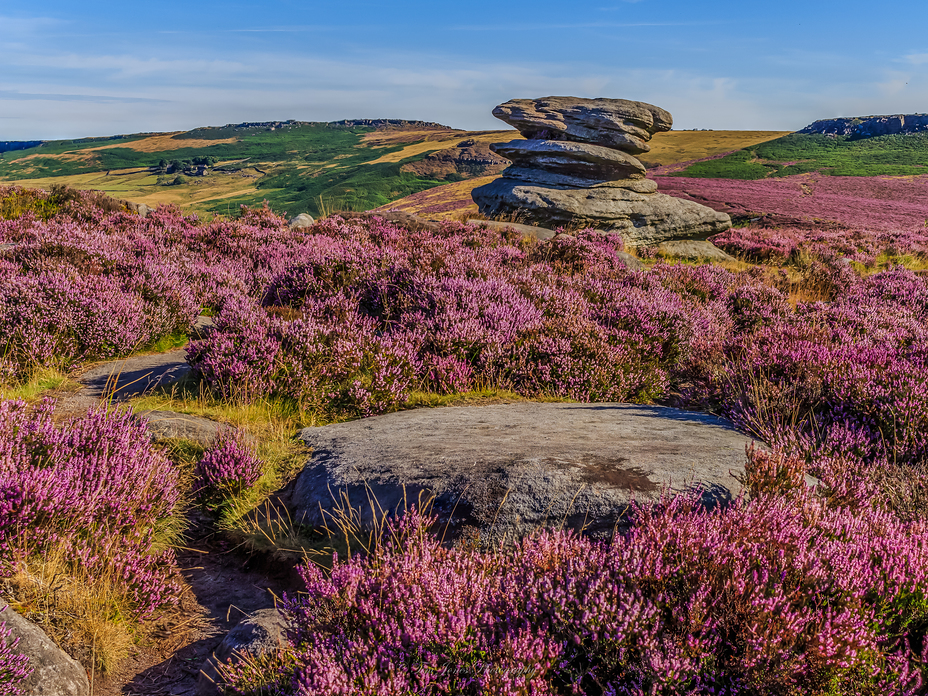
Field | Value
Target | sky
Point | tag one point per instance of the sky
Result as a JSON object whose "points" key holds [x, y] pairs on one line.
{"points": [[99, 68]]}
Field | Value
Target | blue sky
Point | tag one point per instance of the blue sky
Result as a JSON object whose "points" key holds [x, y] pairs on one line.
{"points": [[98, 68]]}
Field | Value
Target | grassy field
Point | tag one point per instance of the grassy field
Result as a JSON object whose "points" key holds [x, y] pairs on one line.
{"points": [[296, 167], [683, 146], [887, 155]]}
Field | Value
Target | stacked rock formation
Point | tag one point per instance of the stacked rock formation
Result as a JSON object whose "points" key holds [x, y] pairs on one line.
{"points": [[577, 167]]}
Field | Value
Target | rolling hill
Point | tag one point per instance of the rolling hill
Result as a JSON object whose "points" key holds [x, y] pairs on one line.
{"points": [[301, 166]]}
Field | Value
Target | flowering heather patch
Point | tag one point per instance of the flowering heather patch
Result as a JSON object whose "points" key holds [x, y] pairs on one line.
{"points": [[366, 312], [873, 203], [228, 467], [14, 667], [94, 489], [780, 244], [784, 594]]}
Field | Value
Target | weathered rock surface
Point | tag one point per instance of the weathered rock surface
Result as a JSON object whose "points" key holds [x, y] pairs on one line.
{"points": [[578, 160], [261, 633], [692, 250], [54, 672], [301, 220], [616, 123], [641, 219], [169, 425], [505, 470], [540, 177]]}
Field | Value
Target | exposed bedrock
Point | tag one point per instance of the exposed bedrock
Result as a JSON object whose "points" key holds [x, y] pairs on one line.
{"points": [[643, 219], [617, 123], [499, 472]]}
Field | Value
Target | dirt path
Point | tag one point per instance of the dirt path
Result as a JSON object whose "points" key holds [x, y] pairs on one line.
{"points": [[222, 584]]}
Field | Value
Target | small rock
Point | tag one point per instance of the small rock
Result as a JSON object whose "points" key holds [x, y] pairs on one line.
{"points": [[137, 375], [54, 672], [143, 210], [693, 250], [168, 425], [201, 327], [633, 263], [261, 633], [301, 220]]}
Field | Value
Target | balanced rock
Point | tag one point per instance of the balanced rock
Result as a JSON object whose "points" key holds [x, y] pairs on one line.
{"points": [[616, 123], [577, 168], [505, 470], [642, 219]]}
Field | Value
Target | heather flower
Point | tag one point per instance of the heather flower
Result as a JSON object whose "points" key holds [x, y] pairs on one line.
{"points": [[94, 488], [228, 467]]}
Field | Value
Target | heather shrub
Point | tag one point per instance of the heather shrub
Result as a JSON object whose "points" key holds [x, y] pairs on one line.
{"points": [[93, 491], [784, 594], [228, 467]]}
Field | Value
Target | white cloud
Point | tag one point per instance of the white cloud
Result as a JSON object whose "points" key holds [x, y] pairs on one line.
{"points": [[917, 58]]}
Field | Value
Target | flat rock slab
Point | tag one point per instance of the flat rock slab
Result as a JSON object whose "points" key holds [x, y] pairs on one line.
{"points": [[504, 470], [643, 219], [168, 425], [122, 379]]}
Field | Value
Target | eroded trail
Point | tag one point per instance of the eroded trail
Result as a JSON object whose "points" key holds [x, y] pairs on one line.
{"points": [[222, 584]]}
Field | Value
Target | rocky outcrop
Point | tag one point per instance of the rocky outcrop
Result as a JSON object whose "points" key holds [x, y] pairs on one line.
{"points": [[468, 159], [258, 634], [577, 168], [869, 126], [499, 472], [54, 672]]}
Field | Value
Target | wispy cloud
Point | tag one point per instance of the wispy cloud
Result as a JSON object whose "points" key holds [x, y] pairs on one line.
{"points": [[12, 95], [917, 58], [575, 25]]}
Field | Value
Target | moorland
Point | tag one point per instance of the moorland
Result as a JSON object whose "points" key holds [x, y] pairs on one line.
{"points": [[814, 341]]}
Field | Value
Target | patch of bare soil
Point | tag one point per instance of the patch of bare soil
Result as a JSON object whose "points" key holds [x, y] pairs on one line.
{"points": [[223, 584]]}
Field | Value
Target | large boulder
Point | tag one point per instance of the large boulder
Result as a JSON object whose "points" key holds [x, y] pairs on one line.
{"points": [[642, 219], [501, 471], [616, 123], [54, 672], [258, 634]]}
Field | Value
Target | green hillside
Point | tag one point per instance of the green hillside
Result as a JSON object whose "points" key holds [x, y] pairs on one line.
{"points": [[295, 166], [797, 153]]}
